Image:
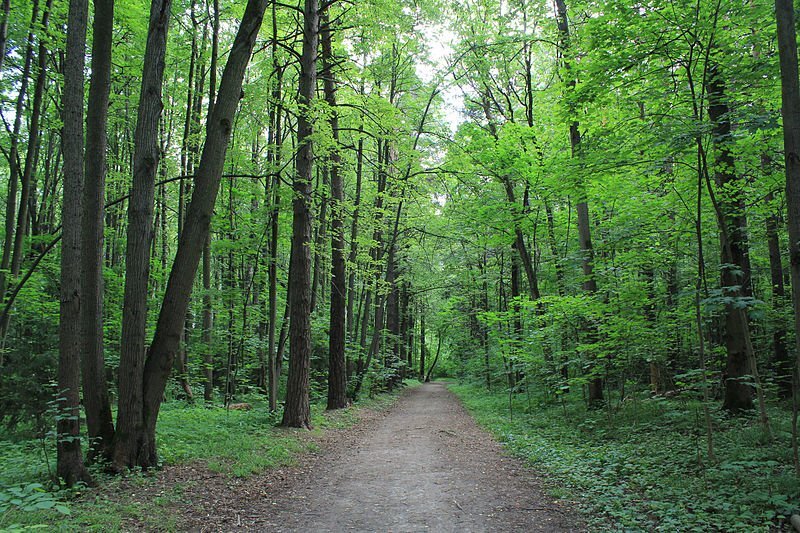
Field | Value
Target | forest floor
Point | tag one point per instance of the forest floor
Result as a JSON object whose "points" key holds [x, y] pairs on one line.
{"points": [[423, 464]]}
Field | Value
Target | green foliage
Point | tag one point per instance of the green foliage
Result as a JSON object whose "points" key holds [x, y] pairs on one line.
{"points": [[25, 460], [31, 501], [30, 497], [644, 468], [235, 442]]}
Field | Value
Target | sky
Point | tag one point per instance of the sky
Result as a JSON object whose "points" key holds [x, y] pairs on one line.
{"points": [[440, 41]]}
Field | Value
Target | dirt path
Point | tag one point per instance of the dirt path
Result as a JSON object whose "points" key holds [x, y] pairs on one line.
{"points": [[425, 466]]}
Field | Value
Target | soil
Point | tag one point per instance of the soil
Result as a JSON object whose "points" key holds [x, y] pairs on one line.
{"points": [[422, 465]]}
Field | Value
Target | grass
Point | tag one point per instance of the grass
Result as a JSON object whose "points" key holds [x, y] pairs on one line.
{"points": [[643, 467], [235, 443]]}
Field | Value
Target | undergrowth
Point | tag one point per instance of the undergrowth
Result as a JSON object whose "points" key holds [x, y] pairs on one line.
{"points": [[238, 443], [643, 467]]}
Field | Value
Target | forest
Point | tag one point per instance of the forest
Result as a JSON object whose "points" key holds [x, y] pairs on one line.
{"points": [[226, 219]]}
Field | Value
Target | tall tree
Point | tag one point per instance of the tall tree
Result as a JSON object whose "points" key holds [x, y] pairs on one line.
{"points": [[582, 207], [70, 467], [337, 374], [166, 339], [790, 98], [96, 401], [735, 257], [13, 151], [130, 449], [27, 176], [297, 411]]}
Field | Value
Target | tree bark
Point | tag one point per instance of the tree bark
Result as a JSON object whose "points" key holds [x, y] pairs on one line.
{"points": [[208, 311], [351, 278], [337, 373], [69, 466], [166, 339], [551, 241], [297, 413], [733, 250], [392, 317], [422, 346], [274, 156], [319, 241], [790, 97], [97, 404], [131, 447], [519, 242], [208, 325]]}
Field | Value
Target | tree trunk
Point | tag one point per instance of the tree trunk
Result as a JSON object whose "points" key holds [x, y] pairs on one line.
{"points": [[519, 242], [297, 413], [733, 250], [790, 97], [402, 340], [4, 31], [392, 317], [319, 241], [649, 312], [782, 361], [584, 223], [131, 447], [13, 152], [69, 466], [375, 255], [422, 346], [351, 278], [551, 240], [485, 327], [208, 311], [274, 156], [27, 174], [166, 339], [33, 147], [96, 401], [435, 357], [516, 320], [208, 325], [337, 373]]}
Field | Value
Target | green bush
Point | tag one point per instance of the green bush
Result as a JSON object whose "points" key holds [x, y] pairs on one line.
{"points": [[643, 467]]}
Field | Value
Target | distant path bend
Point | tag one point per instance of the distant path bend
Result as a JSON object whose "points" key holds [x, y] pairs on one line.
{"points": [[425, 466]]}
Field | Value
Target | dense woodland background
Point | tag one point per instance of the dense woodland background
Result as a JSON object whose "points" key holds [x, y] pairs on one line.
{"points": [[580, 209]]}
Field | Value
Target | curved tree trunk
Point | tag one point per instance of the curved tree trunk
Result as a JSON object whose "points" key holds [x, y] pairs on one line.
{"points": [[130, 446], [166, 339]]}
